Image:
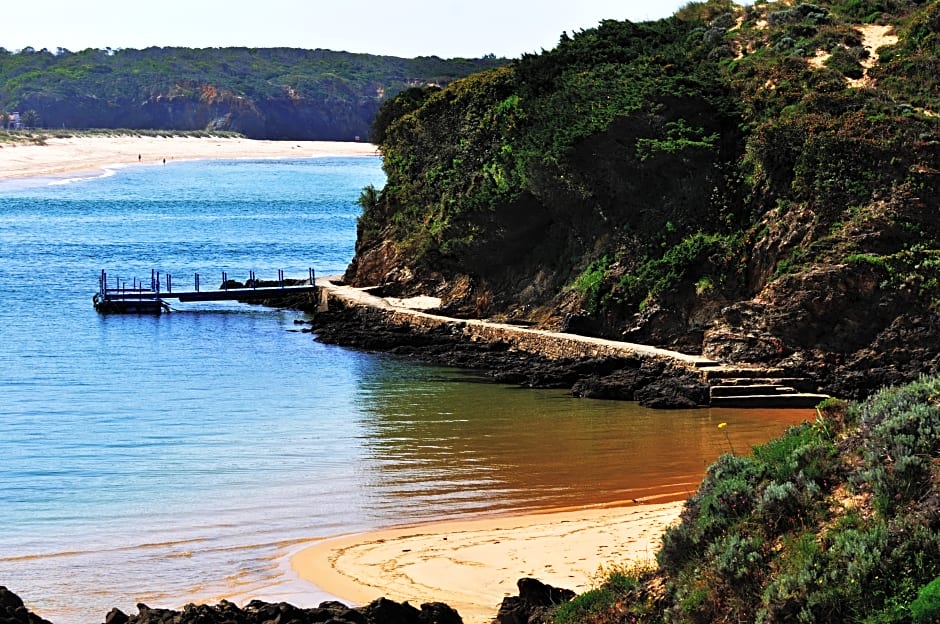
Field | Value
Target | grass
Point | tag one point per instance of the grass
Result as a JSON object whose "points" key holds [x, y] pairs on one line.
{"points": [[39, 137]]}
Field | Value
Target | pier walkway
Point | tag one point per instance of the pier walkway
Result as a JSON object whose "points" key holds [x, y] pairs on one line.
{"points": [[118, 297], [729, 385]]}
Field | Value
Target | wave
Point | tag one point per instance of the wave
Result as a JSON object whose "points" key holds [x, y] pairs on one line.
{"points": [[106, 172]]}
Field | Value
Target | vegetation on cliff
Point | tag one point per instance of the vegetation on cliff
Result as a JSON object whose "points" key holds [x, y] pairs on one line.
{"points": [[759, 184], [835, 521], [272, 93]]}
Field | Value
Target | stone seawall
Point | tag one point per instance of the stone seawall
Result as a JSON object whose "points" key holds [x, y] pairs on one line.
{"points": [[548, 344], [588, 366]]}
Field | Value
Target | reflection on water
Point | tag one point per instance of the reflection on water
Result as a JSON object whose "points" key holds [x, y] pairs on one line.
{"points": [[442, 445]]}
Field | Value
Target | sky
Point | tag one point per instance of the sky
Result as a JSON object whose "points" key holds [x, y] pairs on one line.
{"points": [[407, 28]]}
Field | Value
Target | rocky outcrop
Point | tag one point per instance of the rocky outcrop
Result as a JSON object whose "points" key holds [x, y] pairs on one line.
{"points": [[13, 611], [834, 325], [381, 611], [699, 217], [535, 603]]}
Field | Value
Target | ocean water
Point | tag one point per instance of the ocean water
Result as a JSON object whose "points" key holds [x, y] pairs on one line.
{"points": [[184, 457]]}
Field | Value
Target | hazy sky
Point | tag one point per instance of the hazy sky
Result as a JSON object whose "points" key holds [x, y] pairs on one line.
{"points": [[445, 28]]}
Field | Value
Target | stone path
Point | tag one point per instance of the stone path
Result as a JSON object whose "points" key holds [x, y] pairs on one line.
{"points": [[730, 386]]}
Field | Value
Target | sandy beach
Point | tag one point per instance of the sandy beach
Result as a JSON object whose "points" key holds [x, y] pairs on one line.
{"points": [[58, 157], [471, 565]]}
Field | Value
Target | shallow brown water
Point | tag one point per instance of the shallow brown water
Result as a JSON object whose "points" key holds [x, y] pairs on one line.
{"points": [[438, 447]]}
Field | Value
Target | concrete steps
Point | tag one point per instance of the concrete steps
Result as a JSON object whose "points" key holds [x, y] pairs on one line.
{"points": [[791, 400], [756, 387]]}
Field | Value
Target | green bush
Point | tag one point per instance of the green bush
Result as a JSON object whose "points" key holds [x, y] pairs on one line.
{"points": [[591, 603], [927, 606]]}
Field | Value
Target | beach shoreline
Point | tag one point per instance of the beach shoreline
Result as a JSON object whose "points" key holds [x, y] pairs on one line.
{"points": [[473, 564], [90, 154]]}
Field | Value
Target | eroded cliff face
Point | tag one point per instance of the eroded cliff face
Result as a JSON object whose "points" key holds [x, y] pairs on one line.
{"points": [[859, 313]]}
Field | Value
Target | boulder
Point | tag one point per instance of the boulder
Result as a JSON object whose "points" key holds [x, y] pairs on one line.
{"points": [[13, 611], [535, 603]]}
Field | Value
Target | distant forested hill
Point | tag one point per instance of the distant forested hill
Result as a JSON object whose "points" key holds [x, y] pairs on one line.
{"points": [[274, 93]]}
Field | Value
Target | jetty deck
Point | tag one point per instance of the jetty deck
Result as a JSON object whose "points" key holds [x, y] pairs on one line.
{"points": [[152, 299]]}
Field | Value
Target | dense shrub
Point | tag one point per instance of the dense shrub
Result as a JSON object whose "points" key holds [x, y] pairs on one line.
{"points": [[797, 532]]}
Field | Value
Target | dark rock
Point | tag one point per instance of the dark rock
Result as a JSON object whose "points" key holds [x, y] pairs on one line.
{"points": [[438, 613], [581, 324], [381, 611], [387, 611], [618, 386], [116, 616], [8, 600], [535, 592], [673, 393], [13, 611], [535, 603]]}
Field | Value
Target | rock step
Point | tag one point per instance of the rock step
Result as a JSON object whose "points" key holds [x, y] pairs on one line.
{"points": [[794, 400], [750, 390], [753, 381], [796, 384], [739, 372]]}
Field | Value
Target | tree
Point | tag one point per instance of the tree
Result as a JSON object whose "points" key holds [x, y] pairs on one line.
{"points": [[30, 119]]}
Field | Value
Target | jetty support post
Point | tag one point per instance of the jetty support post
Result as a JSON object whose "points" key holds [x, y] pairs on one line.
{"points": [[280, 277], [197, 282], [313, 280], [169, 283], [224, 281]]}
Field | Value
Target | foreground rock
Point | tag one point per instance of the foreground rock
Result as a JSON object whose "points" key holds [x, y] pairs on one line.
{"points": [[381, 611], [13, 611], [533, 605]]}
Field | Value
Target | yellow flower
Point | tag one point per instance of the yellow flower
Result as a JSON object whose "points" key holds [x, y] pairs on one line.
{"points": [[722, 425]]}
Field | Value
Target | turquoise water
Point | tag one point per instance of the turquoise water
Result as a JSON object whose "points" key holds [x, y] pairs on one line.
{"points": [[184, 457]]}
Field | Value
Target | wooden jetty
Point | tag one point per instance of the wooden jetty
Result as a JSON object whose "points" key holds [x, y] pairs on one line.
{"points": [[116, 297]]}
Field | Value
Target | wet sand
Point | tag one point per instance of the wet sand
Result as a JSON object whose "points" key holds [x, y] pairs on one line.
{"points": [[473, 564], [59, 157]]}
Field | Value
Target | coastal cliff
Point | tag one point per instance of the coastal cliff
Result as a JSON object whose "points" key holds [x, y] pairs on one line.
{"points": [[758, 185]]}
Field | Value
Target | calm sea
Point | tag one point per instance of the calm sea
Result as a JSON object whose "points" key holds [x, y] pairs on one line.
{"points": [[184, 457]]}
